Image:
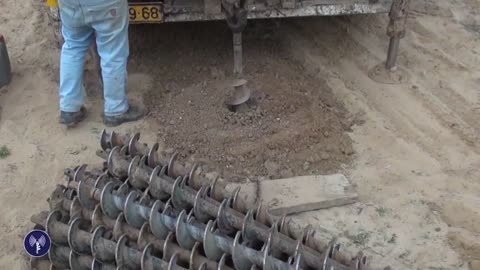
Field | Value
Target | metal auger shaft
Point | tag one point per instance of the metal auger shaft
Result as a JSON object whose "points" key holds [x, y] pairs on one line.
{"points": [[188, 231], [80, 175], [142, 237], [141, 154], [110, 140], [228, 218], [102, 249], [135, 148], [140, 176], [64, 257]]}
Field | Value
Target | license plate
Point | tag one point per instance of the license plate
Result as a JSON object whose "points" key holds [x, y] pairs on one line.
{"points": [[145, 12]]}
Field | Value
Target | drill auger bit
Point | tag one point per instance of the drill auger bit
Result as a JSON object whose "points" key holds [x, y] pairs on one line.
{"points": [[224, 214], [188, 230], [141, 237], [149, 156], [101, 248], [145, 211]]}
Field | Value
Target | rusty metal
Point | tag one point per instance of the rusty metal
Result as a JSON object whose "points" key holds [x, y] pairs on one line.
{"points": [[140, 175], [149, 156], [236, 18], [211, 10], [59, 256], [181, 228], [64, 257], [107, 251], [396, 31], [241, 93], [143, 156], [188, 231], [177, 226], [208, 205], [142, 237], [102, 249], [136, 148], [109, 140], [262, 10], [216, 190], [237, 55], [132, 216], [80, 175]]}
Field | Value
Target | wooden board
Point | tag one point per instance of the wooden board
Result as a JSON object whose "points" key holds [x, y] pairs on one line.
{"points": [[299, 194]]}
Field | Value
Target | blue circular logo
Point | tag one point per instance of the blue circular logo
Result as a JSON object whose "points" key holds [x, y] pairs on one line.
{"points": [[37, 243]]}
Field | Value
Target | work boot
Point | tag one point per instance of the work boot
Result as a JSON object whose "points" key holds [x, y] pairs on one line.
{"points": [[134, 113], [70, 119]]}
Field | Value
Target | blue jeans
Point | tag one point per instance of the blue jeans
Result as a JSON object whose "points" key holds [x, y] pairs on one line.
{"points": [[83, 22]]}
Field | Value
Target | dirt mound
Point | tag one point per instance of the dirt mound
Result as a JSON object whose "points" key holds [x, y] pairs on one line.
{"points": [[292, 126]]}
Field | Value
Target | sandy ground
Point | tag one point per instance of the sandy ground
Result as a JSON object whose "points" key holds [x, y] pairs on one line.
{"points": [[416, 148]]}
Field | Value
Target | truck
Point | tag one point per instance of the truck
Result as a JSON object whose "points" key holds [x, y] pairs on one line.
{"points": [[236, 14]]}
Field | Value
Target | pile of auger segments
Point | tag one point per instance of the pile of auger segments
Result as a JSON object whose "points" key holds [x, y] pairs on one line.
{"points": [[144, 211]]}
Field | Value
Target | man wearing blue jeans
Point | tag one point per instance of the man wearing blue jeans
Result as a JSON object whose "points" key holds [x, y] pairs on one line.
{"points": [[106, 22]]}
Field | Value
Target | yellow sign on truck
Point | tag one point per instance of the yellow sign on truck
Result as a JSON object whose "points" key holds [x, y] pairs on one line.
{"points": [[52, 3]]}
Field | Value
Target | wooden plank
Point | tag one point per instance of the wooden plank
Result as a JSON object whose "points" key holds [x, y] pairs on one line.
{"points": [[299, 194], [324, 203]]}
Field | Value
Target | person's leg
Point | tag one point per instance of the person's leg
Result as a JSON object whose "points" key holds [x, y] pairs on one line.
{"points": [[109, 18], [78, 38]]}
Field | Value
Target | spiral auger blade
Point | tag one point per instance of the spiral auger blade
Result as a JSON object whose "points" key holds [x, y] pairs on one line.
{"points": [[228, 217], [145, 211]]}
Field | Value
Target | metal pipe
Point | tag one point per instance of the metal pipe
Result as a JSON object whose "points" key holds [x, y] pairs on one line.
{"points": [[226, 216], [392, 53], [396, 31], [102, 249], [64, 257], [140, 175], [188, 231], [151, 157], [217, 190], [135, 148], [237, 55], [142, 237]]}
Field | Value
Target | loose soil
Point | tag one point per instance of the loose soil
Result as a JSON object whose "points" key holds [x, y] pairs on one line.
{"points": [[291, 126]]}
